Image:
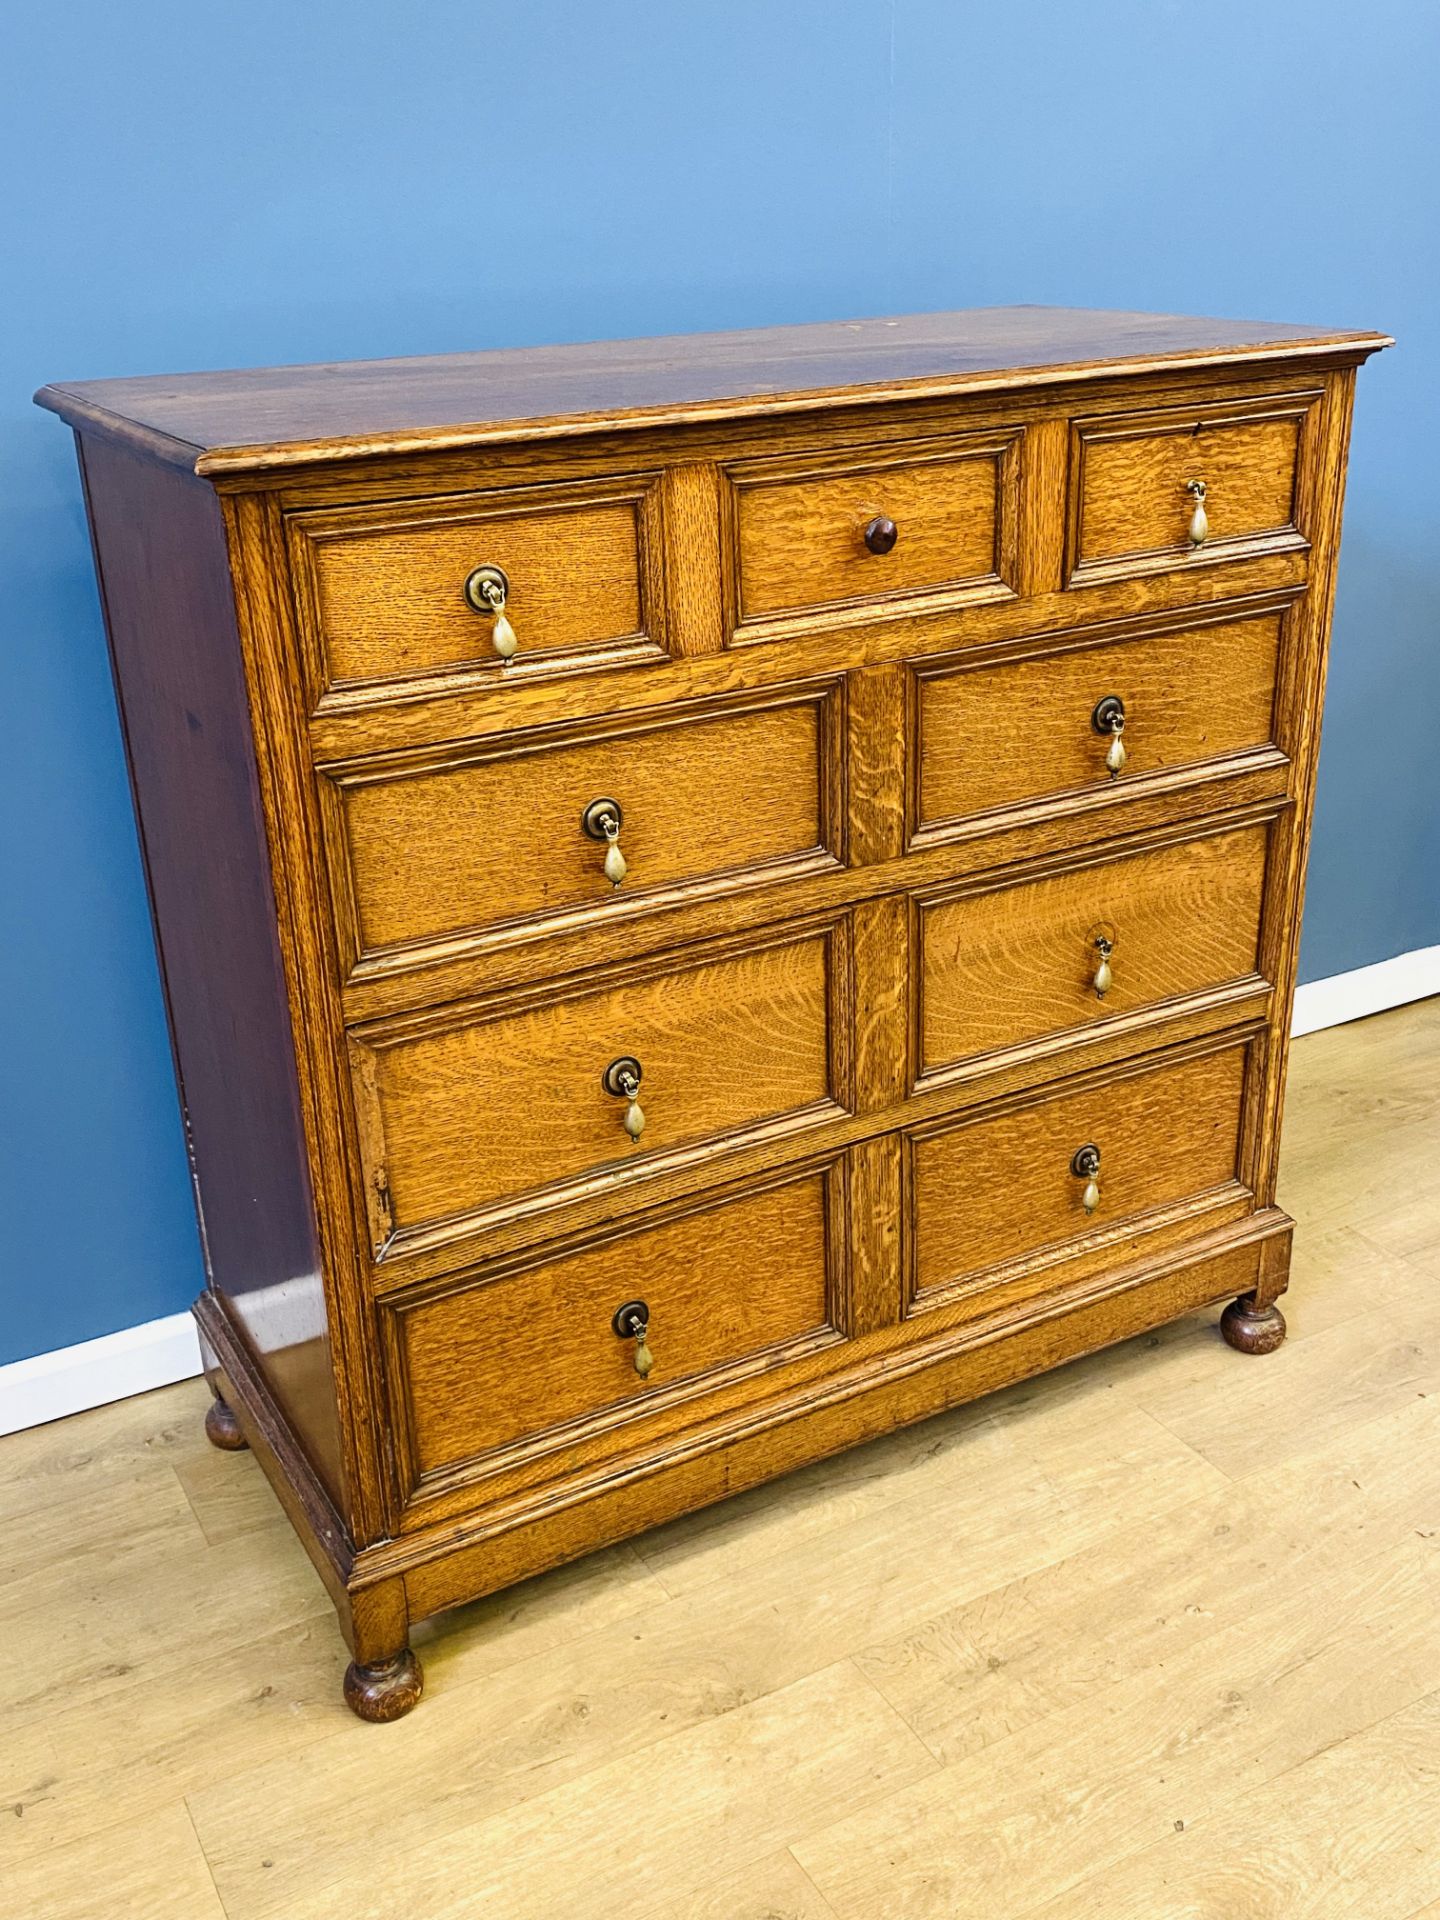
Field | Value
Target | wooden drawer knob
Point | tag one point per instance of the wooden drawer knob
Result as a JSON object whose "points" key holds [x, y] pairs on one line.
{"points": [[1199, 524], [632, 1322], [602, 820], [881, 534], [486, 590], [622, 1079], [1108, 719], [1085, 1165]]}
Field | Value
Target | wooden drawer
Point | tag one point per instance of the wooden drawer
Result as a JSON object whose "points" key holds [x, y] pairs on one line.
{"points": [[996, 1199], [434, 850], [1022, 731], [1012, 965], [800, 526], [500, 1107], [381, 588], [1130, 474], [732, 1290]]}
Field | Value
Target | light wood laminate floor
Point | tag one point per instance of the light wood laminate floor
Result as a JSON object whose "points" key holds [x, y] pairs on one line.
{"points": [[1153, 1638]]}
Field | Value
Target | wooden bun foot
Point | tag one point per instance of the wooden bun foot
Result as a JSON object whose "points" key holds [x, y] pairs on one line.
{"points": [[386, 1690], [1252, 1329], [222, 1429]]}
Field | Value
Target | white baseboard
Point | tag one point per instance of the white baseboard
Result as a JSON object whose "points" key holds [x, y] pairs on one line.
{"points": [[98, 1371], [139, 1358], [1351, 996]]}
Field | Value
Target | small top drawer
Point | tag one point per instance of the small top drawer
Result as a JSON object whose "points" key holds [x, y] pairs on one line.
{"points": [[1181, 485], [396, 592], [815, 531]]}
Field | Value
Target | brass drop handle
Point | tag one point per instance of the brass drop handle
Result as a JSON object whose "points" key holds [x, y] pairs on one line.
{"points": [[1104, 946], [632, 1322], [487, 590], [1199, 525], [881, 534], [622, 1080], [1085, 1165], [602, 820], [1108, 719]]}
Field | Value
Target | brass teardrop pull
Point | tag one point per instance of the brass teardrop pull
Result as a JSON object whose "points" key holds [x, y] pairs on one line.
{"points": [[1085, 1165], [621, 1079], [632, 1322], [1109, 719], [1104, 946], [487, 590], [1199, 523], [602, 820]]}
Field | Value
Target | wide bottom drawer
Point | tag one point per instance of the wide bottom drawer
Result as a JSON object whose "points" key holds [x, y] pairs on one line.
{"points": [[543, 1351], [1013, 1199]]}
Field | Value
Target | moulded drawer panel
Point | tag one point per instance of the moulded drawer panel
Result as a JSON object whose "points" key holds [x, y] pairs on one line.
{"points": [[1018, 963], [535, 1349], [469, 1108], [800, 525], [991, 1191], [383, 587], [1007, 735], [1131, 474], [487, 834]]}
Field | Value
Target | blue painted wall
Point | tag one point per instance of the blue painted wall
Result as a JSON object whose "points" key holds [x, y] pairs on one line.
{"points": [[199, 187]]}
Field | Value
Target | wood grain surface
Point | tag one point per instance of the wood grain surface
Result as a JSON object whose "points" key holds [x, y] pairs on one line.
{"points": [[473, 1109], [990, 1191], [470, 838], [1131, 478], [387, 589], [800, 530], [991, 737], [534, 1349], [1018, 962]]}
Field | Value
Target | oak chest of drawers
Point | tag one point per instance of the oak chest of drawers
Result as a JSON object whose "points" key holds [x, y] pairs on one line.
{"points": [[715, 896]]}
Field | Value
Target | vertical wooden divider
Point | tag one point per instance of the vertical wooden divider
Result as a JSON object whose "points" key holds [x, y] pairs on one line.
{"points": [[877, 788]]}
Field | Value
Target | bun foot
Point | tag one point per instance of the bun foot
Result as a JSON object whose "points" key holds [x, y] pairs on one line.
{"points": [[222, 1429], [1252, 1329], [386, 1690]]}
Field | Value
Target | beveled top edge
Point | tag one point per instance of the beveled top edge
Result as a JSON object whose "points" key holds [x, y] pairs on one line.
{"points": [[257, 419]]}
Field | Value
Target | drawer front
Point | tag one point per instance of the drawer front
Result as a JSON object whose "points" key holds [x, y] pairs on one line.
{"points": [[1019, 963], [1031, 730], [454, 843], [475, 1109], [382, 588], [730, 1290], [801, 526], [1132, 510], [993, 1192]]}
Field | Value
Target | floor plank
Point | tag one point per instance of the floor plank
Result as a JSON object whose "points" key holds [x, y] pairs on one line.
{"points": [[654, 1828], [1024, 1820], [154, 1869], [1297, 1851]]}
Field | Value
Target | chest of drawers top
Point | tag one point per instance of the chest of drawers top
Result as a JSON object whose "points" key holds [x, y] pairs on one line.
{"points": [[256, 421]]}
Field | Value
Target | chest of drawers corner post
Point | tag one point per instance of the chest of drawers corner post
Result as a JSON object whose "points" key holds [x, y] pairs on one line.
{"points": [[715, 896]]}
